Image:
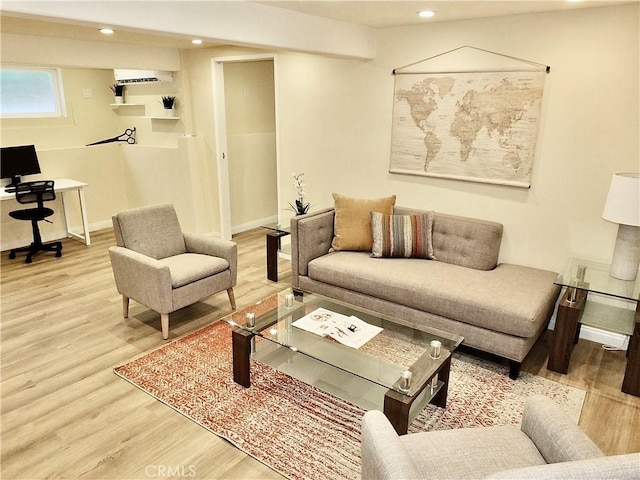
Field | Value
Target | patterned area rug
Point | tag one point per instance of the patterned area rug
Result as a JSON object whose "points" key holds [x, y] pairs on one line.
{"points": [[301, 431]]}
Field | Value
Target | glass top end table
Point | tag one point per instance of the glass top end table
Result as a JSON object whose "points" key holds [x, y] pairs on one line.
{"points": [[275, 232], [594, 277], [617, 311]]}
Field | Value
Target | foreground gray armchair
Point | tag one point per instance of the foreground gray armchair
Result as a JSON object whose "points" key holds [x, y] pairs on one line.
{"points": [[548, 445], [159, 266]]}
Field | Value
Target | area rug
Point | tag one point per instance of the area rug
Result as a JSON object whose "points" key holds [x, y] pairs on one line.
{"points": [[301, 431]]}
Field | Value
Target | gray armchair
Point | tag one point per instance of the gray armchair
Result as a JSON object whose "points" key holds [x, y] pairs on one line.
{"points": [[548, 445], [159, 266]]}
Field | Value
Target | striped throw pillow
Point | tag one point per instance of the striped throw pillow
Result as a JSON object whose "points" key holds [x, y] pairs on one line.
{"points": [[407, 236]]}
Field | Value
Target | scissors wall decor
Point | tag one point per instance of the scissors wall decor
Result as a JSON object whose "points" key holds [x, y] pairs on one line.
{"points": [[128, 136]]}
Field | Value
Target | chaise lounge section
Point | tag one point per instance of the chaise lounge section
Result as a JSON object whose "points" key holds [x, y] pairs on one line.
{"points": [[498, 308]]}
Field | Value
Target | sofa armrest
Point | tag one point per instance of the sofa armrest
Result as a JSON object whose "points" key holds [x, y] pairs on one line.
{"points": [[620, 467], [383, 455], [141, 278], [311, 237], [557, 437], [214, 247]]}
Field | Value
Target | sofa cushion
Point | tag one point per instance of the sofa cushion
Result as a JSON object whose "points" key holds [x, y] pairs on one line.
{"points": [[402, 235], [466, 242], [445, 454], [152, 231], [558, 437], [618, 467], [476, 297], [191, 267], [352, 222]]}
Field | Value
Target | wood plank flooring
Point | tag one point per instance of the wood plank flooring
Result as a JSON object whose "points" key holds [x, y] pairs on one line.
{"points": [[65, 414]]}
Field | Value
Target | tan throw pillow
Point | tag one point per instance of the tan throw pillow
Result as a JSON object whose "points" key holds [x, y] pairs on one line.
{"points": [[352, 223]]}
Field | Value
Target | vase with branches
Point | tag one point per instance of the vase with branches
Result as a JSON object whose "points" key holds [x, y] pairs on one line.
{"points": [[300, 207]]}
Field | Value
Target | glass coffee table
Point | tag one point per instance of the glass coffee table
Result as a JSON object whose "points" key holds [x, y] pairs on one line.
{"points": [[398, 370]]}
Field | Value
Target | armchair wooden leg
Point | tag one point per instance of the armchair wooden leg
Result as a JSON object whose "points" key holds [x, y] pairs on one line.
{"points": [[232, 298], [164, 321], [125, 306]]}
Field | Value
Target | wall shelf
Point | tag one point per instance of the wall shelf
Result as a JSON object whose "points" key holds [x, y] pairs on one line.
{"points": [[116, 105], [162, 118]]}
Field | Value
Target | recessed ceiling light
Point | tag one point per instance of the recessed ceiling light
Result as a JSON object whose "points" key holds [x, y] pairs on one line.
{"points": [[426, 13], [196, 41], [106, 31]]}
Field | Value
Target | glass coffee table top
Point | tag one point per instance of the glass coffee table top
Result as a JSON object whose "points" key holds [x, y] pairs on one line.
{"points": [[382, 360]]}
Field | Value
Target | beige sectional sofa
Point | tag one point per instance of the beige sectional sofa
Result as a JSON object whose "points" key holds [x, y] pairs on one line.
{"points": [[498, 308]]}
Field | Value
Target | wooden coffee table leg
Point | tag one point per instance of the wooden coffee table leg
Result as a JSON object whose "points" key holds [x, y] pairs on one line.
{"points": [[241, 343], [396, 408], [440, 400]]}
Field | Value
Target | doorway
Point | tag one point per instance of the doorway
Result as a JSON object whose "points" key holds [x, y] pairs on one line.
{"points": [[246, 139]]}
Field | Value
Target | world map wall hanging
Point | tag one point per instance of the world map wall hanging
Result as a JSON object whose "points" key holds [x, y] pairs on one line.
{"points": [[475, 126]]}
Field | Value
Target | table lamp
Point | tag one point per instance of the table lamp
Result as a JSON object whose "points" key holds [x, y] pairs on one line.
{"points": [[623, 207]]}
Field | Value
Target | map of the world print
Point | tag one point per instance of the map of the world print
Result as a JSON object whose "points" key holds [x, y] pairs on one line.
{"points": [[469, 126]]}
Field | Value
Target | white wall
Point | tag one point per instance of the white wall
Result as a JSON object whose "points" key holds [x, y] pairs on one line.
{"points": [[63, 52], [336, 123], [197, 69], [60, 144], [156, 175], [251, 142], [164, 166]]}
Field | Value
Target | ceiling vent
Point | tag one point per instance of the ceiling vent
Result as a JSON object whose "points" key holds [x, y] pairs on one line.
{"points": [[142, 76]]}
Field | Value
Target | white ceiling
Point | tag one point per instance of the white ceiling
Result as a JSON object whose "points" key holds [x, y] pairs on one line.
{"points": [[375, 14], [382, 14], [24, 25]]}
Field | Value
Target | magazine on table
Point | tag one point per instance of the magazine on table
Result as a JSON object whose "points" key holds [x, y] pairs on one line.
{"points": [[348, 330]]}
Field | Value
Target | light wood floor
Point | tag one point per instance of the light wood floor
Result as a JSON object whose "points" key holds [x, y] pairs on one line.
{"points": [[65, 414]]}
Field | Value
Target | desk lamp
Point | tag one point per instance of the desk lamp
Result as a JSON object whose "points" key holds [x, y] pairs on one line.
{"points": [[623, 207]]}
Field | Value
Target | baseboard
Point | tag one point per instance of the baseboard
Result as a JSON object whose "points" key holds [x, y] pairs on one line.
{"points": [[610, 339], [94, 227], [616, 340], [285, 252], [57, 235], [253, 224]]}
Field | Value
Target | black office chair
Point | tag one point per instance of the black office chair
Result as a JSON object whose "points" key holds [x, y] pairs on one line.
{"points": [[35, 192]]}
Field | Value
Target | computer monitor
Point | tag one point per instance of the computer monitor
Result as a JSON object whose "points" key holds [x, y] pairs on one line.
{"points": [[18, 161]]}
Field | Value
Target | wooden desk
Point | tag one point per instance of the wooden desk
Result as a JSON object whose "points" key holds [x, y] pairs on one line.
{"points": [[65, 186]]}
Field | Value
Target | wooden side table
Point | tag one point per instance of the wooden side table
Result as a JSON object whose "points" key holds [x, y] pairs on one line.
{"points": [[583, 278], [631, 382], [275, 233]]}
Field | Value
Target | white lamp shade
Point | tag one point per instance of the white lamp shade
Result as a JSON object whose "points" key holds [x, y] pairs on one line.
{"points": [[623, 201]]}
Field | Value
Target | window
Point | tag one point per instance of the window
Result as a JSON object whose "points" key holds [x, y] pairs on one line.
{"points": [[31, 92]]}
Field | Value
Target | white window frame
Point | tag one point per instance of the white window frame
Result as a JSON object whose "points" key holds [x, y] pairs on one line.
{"points": [[58, 90]]}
